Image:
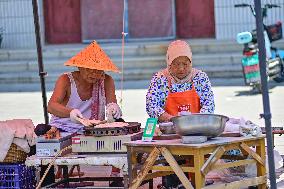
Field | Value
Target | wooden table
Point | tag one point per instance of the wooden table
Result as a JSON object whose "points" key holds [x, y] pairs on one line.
{"points": [[203, 159]]}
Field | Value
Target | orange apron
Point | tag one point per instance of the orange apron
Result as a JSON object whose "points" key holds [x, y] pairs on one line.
{"points": [[182, 101]]}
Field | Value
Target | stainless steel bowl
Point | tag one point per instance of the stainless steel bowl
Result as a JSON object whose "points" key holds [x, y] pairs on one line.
{"points": [[210, 125]]}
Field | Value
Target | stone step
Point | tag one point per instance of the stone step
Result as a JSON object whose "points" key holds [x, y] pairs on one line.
{"points": [[149, 62], [224, 65], [67, 52], [228, 71], [58, 64], [135, 84], [200, 46]]}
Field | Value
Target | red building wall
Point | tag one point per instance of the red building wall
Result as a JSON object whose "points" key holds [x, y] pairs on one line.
{"points": [[195, 18], [150, 18], [70, 21], [62, 21]]}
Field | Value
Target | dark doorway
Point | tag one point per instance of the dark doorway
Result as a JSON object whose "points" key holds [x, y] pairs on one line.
{"points": [[148, 18], [195, 19], [101, 19], [62, 21], [74, 21]]}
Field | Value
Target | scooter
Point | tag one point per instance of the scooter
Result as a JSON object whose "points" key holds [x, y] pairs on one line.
{"points": [[274, 56]]}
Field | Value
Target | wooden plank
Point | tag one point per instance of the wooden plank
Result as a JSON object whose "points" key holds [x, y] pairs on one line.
{"points": [[218, 166], [168, 168], [218, 141], [199, 178], [215, 156], [145, 169], [181, 151], [171, 160], [239, 184], [191, 174], [261, 169], [131, 161], [252, 153], [244, 152], [158, 174]]}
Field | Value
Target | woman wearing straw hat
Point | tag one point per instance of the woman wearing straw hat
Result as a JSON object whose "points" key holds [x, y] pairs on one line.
{"points": [[84, 93]]}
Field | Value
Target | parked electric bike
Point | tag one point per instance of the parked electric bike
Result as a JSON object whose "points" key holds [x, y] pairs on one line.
{"points": [[274, 56]]}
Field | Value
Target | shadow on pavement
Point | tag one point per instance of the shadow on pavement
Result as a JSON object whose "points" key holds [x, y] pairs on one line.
{"points": [[251, 92]]}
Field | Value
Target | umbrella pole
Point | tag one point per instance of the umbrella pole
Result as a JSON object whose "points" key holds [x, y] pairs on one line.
{"points": [[265, 96], [42, 74]]}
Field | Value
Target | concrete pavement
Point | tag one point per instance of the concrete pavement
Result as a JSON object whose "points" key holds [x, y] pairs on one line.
{"points": [[231, 97]]}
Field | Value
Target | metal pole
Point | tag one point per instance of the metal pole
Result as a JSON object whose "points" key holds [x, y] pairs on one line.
{"points": [[125, 19], [174, 25], [265, 96], [42, 74]]}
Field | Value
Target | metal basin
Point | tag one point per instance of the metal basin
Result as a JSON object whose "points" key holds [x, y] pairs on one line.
{"points": [[210, 125]]}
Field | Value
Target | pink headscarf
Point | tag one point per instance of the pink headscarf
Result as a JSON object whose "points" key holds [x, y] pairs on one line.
{"points": [[176, 49]]}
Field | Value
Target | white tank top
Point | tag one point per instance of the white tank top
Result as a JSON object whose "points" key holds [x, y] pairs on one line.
{"points": [[74, 102]]}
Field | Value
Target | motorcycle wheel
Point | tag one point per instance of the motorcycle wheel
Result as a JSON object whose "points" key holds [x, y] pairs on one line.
{"points": [[280, 78], [256, 88]]}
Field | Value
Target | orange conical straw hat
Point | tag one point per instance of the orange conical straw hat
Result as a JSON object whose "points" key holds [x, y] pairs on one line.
{"points": [[92, 57]]}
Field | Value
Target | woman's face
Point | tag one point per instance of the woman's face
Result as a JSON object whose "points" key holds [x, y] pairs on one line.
{"points": [[91, 75], [181, 67]]}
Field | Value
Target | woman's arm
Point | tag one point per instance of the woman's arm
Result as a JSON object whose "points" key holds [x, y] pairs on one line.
{"points": [[165, 117], [155, 99], [206, 94], [58, 101]]}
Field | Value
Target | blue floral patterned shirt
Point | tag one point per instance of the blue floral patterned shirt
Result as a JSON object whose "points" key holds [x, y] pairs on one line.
{"points": [[159, 89]]}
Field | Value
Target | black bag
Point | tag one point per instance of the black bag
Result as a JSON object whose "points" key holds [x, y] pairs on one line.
{"points": [[274, 31]]}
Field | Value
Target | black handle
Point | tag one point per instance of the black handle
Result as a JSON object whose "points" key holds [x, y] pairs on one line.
{"points": [[241, 5], [272, 6]]}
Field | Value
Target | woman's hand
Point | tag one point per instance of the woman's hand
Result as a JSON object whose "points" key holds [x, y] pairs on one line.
{"points": [[113, 111], [165, 117], [158, 132], [75, 115]]}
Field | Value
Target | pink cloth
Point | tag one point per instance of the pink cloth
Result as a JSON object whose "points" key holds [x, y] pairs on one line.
{"points": [[17, 131], [178, 48], [98, 102]]}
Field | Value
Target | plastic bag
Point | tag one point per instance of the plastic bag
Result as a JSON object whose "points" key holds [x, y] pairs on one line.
{"points": [[250, 129], [245, 127], [251, 168]]}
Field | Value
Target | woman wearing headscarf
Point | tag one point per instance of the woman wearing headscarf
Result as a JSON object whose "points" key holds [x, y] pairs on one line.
{"points": [[179, 87]]}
